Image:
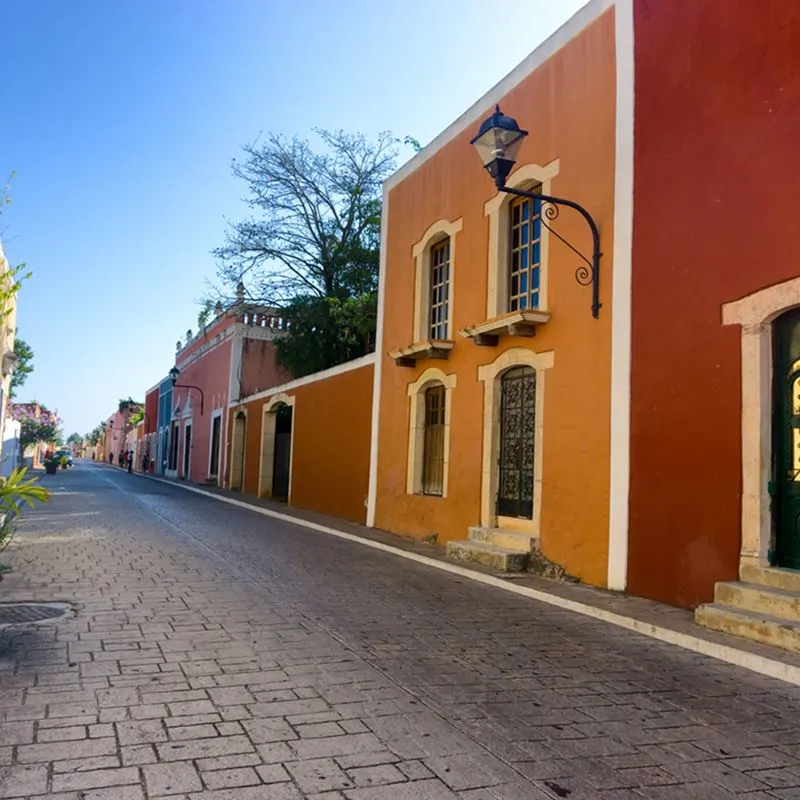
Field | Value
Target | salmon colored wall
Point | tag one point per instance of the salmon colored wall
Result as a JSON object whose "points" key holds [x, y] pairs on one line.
{"points": [[211, 373], [717, 188], [331, 443], [568, 105], [260, 368]]}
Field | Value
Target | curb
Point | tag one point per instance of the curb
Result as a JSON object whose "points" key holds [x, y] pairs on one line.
{"points": [[731, 655]]}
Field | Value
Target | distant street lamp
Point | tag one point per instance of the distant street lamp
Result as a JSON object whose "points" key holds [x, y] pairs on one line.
{"points": [[498, 142], [174, 374]]}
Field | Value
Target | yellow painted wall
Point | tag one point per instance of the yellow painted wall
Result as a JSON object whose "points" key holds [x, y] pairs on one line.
{"points": [[568, 105], [331, 424]]}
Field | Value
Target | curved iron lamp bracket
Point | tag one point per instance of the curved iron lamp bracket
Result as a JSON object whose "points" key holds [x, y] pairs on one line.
{"points": [[588, 275], [189, 386]]}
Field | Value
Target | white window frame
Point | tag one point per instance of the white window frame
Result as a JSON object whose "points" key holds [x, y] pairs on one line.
{"points": [[490, 375], [421, 251], [215, 414], [267, 456], [755, 314], [187, 451], [234, 454], [526, 176], [416, 428]]}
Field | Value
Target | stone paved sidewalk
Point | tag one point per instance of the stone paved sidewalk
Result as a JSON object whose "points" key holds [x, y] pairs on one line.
{"points": [[217, 656]]}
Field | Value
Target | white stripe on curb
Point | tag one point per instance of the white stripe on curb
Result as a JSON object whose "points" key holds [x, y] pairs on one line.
{"points": [[741, 658]]}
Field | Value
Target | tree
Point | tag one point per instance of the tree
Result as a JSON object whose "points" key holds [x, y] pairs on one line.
{"points": [[128, 404], [23, 367], [37, 423], [96, 434], [75, 439], [313, 247]]}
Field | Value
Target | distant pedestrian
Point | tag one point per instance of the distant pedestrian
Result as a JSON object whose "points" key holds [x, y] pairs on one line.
{"points": [[130, 461], [121, 458], [111, 458], [145, 462]]}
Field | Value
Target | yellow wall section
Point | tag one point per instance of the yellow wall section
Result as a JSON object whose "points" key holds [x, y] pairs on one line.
{"points": [[568, 105], [331, 441]]}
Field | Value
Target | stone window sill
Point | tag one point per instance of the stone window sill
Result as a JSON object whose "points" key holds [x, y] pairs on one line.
{"points": [[419, 351], [515, 323]]}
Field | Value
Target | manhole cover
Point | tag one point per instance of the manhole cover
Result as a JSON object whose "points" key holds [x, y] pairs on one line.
{"points": [[21, 613]]}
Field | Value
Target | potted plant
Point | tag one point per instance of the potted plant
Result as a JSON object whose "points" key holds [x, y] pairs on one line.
{"points": [[63, 462], [51, 464]]}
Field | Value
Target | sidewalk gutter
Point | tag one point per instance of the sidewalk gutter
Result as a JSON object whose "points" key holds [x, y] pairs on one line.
{"points": [[681, 631]]}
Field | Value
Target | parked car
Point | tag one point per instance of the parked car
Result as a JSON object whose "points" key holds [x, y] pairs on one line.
{"points": [[65, 452]]}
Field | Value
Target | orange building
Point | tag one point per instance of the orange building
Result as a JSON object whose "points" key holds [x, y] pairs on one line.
{"points": [[306, 442], [493, 386]]}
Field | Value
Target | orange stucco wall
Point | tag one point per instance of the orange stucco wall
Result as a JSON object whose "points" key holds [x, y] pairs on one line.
{"points": [[568, 105], [330, 443]]}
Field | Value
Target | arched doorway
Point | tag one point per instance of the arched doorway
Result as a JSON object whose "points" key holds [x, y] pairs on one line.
{"points": [[281, 465], [786, 440], [517, 436], [237, 451]]}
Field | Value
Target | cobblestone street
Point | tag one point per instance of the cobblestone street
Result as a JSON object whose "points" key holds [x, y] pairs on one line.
{"points": [[218, 655]]}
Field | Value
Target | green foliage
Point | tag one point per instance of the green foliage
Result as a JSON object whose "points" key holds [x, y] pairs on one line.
{"points": [[23, 366], [317, 340], [96, 434], [412, 143], [128, 404], [136, 418], [75, 439], [205, 314], [312, 248], [17, 491], [10, 284]]}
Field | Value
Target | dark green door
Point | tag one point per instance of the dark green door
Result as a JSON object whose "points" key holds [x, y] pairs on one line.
{"points": [[786, 445]]}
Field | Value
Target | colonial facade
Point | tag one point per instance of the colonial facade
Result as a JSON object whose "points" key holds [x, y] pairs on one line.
{"points": [[644, 438], [230, 358], [493, 386]]}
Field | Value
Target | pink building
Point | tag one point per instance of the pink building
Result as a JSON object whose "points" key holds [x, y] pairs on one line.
{"points": [[232, 357], [117, 429]]}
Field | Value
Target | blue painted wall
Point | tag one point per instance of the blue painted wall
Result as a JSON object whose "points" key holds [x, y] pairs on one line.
{"points": [[164, 417]]}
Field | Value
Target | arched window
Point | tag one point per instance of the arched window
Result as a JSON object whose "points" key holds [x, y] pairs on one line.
{"points": [[439, 317], [518, 244], [434, 255], [429, 433]]}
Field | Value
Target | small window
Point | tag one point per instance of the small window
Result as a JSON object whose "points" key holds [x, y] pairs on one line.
{"points": [[440, 290], [433, 453], [526, 255]]}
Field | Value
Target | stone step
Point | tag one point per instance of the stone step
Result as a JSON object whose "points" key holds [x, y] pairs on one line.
{"points": [[759, 599], [776, 577], [500, 537], [503, 559], [763, 628]]}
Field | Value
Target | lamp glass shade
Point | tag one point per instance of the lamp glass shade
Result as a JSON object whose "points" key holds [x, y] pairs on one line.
{"points": [[173, 374], [498, 141]]}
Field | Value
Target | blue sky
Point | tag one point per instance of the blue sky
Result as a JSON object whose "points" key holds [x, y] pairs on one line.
{"points": [[120, 120]]}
